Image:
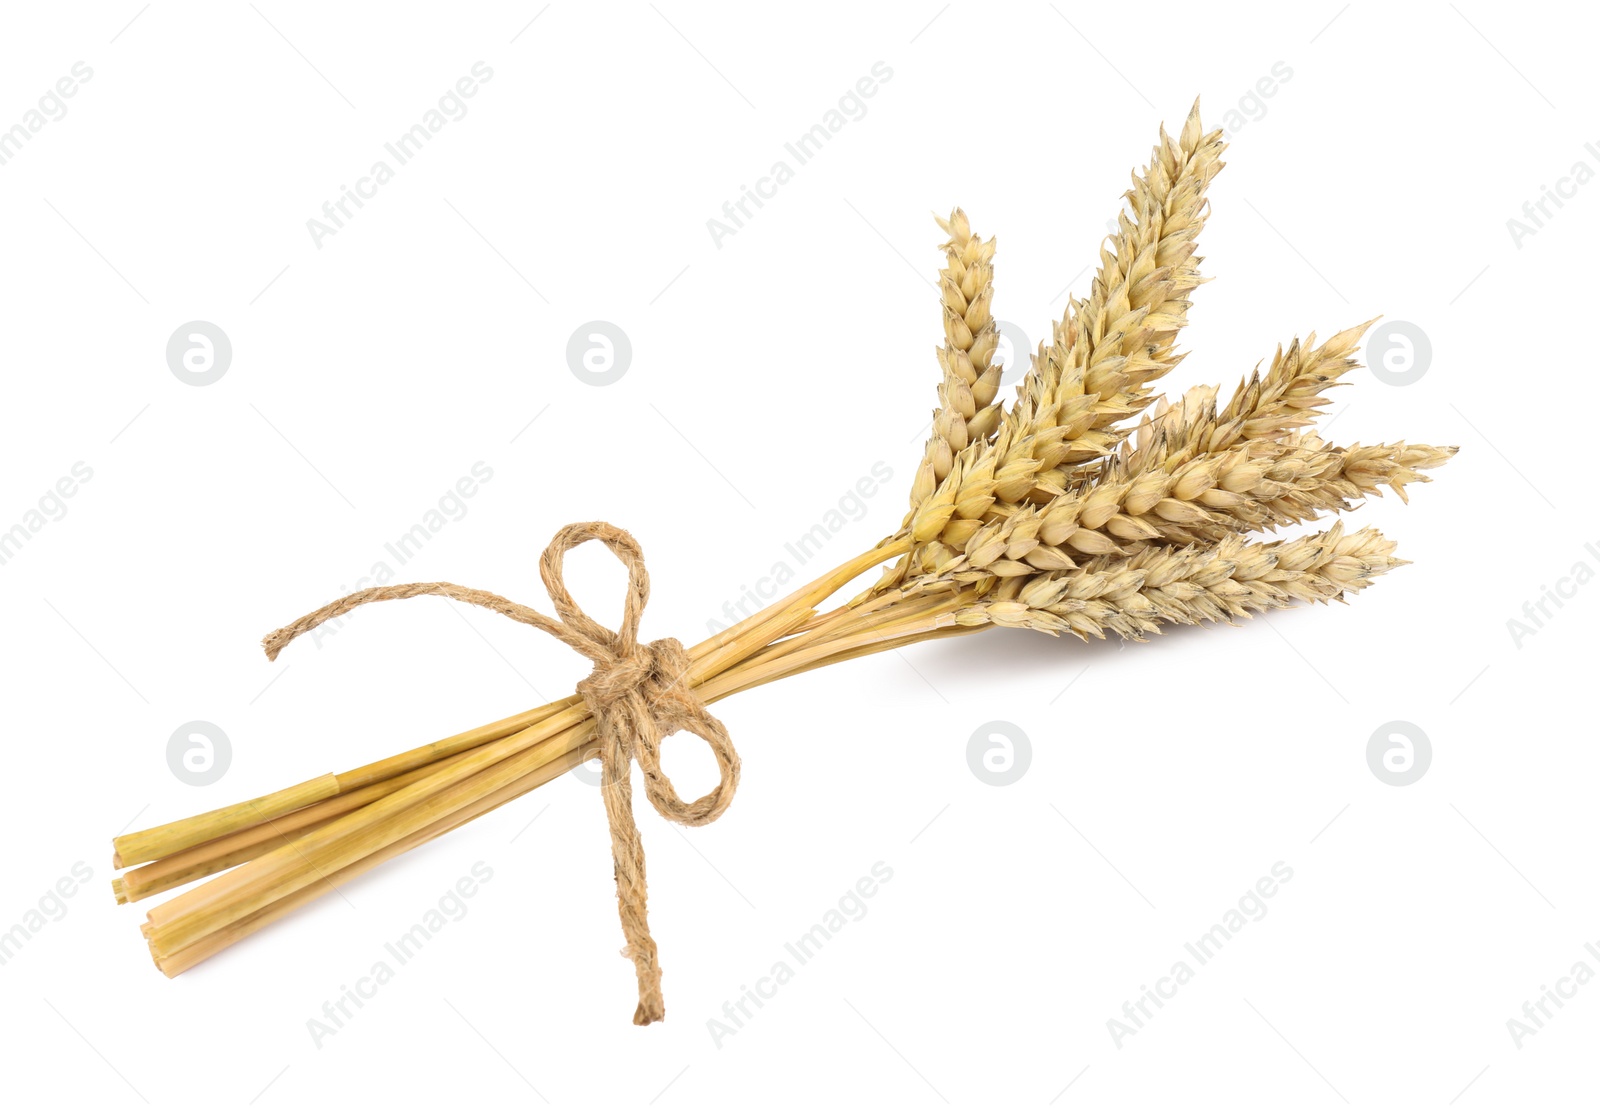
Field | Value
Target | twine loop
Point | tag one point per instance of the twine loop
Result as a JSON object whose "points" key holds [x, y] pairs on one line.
{"points": [[639, 694]]}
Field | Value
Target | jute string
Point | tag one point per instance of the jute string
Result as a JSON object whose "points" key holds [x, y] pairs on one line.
{"points": [[638, 695]]}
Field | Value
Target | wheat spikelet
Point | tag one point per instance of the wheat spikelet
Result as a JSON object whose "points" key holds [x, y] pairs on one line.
{"points": [[1134, 596], [1153, 269], [967, 410], [1288, 397], [1255, 486], [1291, 393], [1110, 346]]}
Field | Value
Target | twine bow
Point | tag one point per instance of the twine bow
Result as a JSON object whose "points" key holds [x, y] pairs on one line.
{"points": [[638, 694]]}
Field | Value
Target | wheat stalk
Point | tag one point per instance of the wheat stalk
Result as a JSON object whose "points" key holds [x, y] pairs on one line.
{"points": [[1088, 507]]}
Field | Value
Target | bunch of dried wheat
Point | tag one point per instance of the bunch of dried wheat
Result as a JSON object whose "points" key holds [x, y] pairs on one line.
{"points": [[1079, 509]]}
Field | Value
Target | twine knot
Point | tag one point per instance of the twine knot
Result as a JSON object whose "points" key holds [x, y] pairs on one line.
{"points": [[662, 661], [639, 693]]}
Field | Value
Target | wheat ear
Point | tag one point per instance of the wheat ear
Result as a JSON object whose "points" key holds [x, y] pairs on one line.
{"points": [[1134, 596], [970, 379]]}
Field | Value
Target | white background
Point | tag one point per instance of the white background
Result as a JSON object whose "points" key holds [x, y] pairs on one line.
{"points": [[768, 376]]}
